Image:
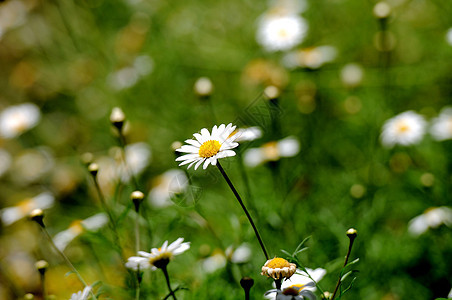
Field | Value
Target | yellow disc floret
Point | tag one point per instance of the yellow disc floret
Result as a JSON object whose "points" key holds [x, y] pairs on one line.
{"points": [[278, 262], [209, 148]]}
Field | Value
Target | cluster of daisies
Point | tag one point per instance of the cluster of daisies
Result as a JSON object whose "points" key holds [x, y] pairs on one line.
{"points": [[409, 128]]}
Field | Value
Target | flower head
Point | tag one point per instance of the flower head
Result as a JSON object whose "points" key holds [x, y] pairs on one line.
{"points": [[167, 185], [272, 151], [160, 257], [278, 268], [299, 286], [281, 32], [12, 214], [208, 147], [442, 125], [431, 218], [405, 129], [137, 263], [17, 119]]}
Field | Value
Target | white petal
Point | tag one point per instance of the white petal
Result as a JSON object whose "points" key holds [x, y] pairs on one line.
{"points": [[199, 138], [187, 156], [182, 248], [199, 163], [175, 244], [144, 254], [193, 142], [206, 163], [205, 134], [188, 149], [188, 161]]}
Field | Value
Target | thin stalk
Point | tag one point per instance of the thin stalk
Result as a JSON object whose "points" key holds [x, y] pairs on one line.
{"points": [[165, 272], [43, 285], [68, 262], [345, 263], [137, 288], [239, 199], [137, 232]]}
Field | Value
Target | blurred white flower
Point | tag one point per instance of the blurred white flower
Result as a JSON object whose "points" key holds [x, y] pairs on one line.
{"points": [[272, 151], [208, 147], [450, 294], [160, 257], [203, 86], [12, 14], [281, 32], [352, 74], [449, 36], [9, 215], [168, 184], [31, 165], [81, 295], [5, 161], [441, 128], [288, 6], [248, 134], [299, 285], [239, 255], [17, 119], [214, 262], [128, 76], [312, 58], [137, 263], [138, 156], [431, 218], [218, 259], [93, 223], [405, 129]]}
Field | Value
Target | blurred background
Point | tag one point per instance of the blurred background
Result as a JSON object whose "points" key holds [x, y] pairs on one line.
{"points": [[318, 80]]}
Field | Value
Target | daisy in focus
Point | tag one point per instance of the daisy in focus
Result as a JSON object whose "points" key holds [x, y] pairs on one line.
{"points": [[281, 32], [208, 147], [271, 151], [431, 218], [158, 257], [441, 128], [299, 286], [405, 129], [17, 119], [278, 268]]}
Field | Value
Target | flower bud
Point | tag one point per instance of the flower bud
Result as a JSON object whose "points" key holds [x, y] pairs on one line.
{"points": [[93, 168], [247, 283], [203, 87], [137, 197], [41, 266], [117, 118], [352, 233], [37, 215]]}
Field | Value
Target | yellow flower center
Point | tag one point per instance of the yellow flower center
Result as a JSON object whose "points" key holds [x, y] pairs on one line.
{"points": [[76, 227], [292, 291], [278, 262], [403, 127], [209, 148]]}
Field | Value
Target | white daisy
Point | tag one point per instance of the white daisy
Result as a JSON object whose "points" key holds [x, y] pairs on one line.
{"points": [[81, 295], [170, 183], [431, 218], [272, 151], [160, 257], [405, 129], [77, 227], [17, 119], [312, 58], [281, 32], [137, 263], [278, 268], [12, 214], [441, 128], [299, 285], [352, 75], [208, 147]]}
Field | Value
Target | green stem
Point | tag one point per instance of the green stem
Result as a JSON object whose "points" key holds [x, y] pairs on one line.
{"points": [[345, 263], [68, 262], [239, 199], [165, 272], [137, 232]]}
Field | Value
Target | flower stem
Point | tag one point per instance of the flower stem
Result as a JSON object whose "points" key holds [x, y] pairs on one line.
{"points": [[68, 262], [239, 199], [165, 272], [137, 288], [43, 286], [137, 232], [345, 263]]}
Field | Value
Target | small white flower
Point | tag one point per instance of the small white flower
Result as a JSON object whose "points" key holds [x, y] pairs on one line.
{"points": [[170, 183], [208, 147], [81, 295], [17, 119], [214, 262], [93, 223], [405, 129], [272, 151], [299, 285], [137, 263], [431, 218], [159, 257], [281, 32], [312, 58], [12, 214], [352, 75], [441, 128], [239, 255], [248, 134]]}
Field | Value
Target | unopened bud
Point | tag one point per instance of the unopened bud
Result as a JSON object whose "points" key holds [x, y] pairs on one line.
{"points": [[29, 296], [93, 168], [137, 197], [42, 266], [352, 233], [382, 10], [272, 92], [117, 118], [326, 295], [247, 283], [37, 215], [203, 87]]}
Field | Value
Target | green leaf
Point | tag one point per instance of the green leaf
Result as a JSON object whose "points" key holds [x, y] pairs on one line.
{"points": [[300, 245]]}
